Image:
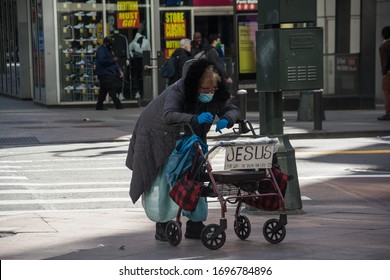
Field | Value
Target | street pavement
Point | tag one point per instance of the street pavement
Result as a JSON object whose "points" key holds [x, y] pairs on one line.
{"points": [[333, 225]]}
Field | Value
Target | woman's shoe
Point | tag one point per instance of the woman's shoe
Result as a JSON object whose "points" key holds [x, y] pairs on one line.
{"points": [[160, 232], [194, 229]]}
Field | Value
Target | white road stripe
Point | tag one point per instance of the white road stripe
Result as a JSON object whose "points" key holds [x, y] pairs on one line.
{"points": [[42, 191], [13, 178], [63, 201], [76, 169], [136, 208], [94, 159]]}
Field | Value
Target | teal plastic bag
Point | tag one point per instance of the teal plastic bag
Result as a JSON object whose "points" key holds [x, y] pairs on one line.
{"points": [[158, 205], [200, 213]]}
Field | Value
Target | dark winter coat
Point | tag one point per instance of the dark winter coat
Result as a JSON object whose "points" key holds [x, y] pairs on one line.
{"points": [[181, 56], [213, 56], [105, 63], [157, 128]]}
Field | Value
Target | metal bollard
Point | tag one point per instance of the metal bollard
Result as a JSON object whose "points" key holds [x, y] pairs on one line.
{"points": [[318, 110], [242, 101]]}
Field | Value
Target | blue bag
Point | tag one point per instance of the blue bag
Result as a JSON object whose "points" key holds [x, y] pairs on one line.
{"points": [[182, 157]]}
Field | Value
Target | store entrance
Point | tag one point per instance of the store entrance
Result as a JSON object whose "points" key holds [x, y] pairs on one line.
{"points": [[222, 25]]}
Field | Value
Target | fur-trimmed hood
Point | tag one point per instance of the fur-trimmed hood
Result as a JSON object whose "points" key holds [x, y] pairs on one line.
{"points": [[191, 78]]}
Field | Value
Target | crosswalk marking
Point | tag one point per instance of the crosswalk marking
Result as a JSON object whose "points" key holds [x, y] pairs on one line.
{"points": [[62, 201], [13, 178], [46, 191]]}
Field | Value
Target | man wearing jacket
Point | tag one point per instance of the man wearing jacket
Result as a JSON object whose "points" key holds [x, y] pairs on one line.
{"points": [[181, 55], [213, 56], [108, 72]]}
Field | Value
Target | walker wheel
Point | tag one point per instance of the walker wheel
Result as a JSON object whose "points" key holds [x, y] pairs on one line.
{"points": [[242, 227], [274, 231], [210, 241], [174, 233]]}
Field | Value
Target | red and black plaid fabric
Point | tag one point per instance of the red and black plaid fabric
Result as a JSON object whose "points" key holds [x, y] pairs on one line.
{"points": [[186, 193], [281, 178], [270, 203]]}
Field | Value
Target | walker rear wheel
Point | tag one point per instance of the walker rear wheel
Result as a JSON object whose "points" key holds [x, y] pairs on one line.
{"points": [[274, 231], [242, 227], [210, 240], [174, 233]]}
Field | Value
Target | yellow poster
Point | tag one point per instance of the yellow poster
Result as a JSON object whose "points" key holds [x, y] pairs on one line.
{"points": [[247, 52], [100, 33]]}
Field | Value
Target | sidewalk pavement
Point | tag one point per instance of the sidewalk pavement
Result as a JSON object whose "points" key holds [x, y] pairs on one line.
{"points": [[29, 123], [342, 221]]}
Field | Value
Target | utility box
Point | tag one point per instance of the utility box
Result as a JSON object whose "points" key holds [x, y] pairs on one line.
{"points": [[286, 11], [289, 59]]}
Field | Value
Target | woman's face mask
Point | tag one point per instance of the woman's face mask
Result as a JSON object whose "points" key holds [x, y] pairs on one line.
{"points": [[205, 97], [206, 94]]}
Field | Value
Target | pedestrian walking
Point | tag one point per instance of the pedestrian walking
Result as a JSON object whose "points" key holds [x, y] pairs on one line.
{"points": [[180, 56], [109, 74], [211, 53]]}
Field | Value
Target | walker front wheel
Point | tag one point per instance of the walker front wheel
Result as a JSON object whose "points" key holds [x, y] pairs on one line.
{"points": [[242, 227], [274, 231], [211, 238], [174, 233]]}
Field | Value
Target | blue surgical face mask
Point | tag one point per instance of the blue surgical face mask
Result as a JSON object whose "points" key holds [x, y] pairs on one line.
{"points": [[205, 98]]}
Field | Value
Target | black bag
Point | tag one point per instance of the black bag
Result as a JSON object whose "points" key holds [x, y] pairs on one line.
{"points": [[169, 68]]}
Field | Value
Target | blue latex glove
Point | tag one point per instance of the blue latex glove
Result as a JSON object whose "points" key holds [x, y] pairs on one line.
{"points": [[222, 123], [205, 117]]}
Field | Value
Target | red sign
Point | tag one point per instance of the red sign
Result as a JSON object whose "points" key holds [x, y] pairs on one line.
{"points": [[128, 19]]}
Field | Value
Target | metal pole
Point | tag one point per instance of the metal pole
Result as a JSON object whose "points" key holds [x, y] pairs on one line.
{"points": [[242, 101], [318, 110]]}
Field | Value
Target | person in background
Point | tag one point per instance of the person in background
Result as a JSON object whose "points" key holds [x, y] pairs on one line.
{"points": [[136, 48], [384, 52], [212, 55], [108, 72], [197, 44], [196, 99], [181, 55]]}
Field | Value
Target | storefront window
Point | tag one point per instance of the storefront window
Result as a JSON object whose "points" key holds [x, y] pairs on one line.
{"points": [[129, 25], [82, 25], [80, 30]]}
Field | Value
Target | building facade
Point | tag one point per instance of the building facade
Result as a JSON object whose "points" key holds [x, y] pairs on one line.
{"points": [[47, 51]]}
